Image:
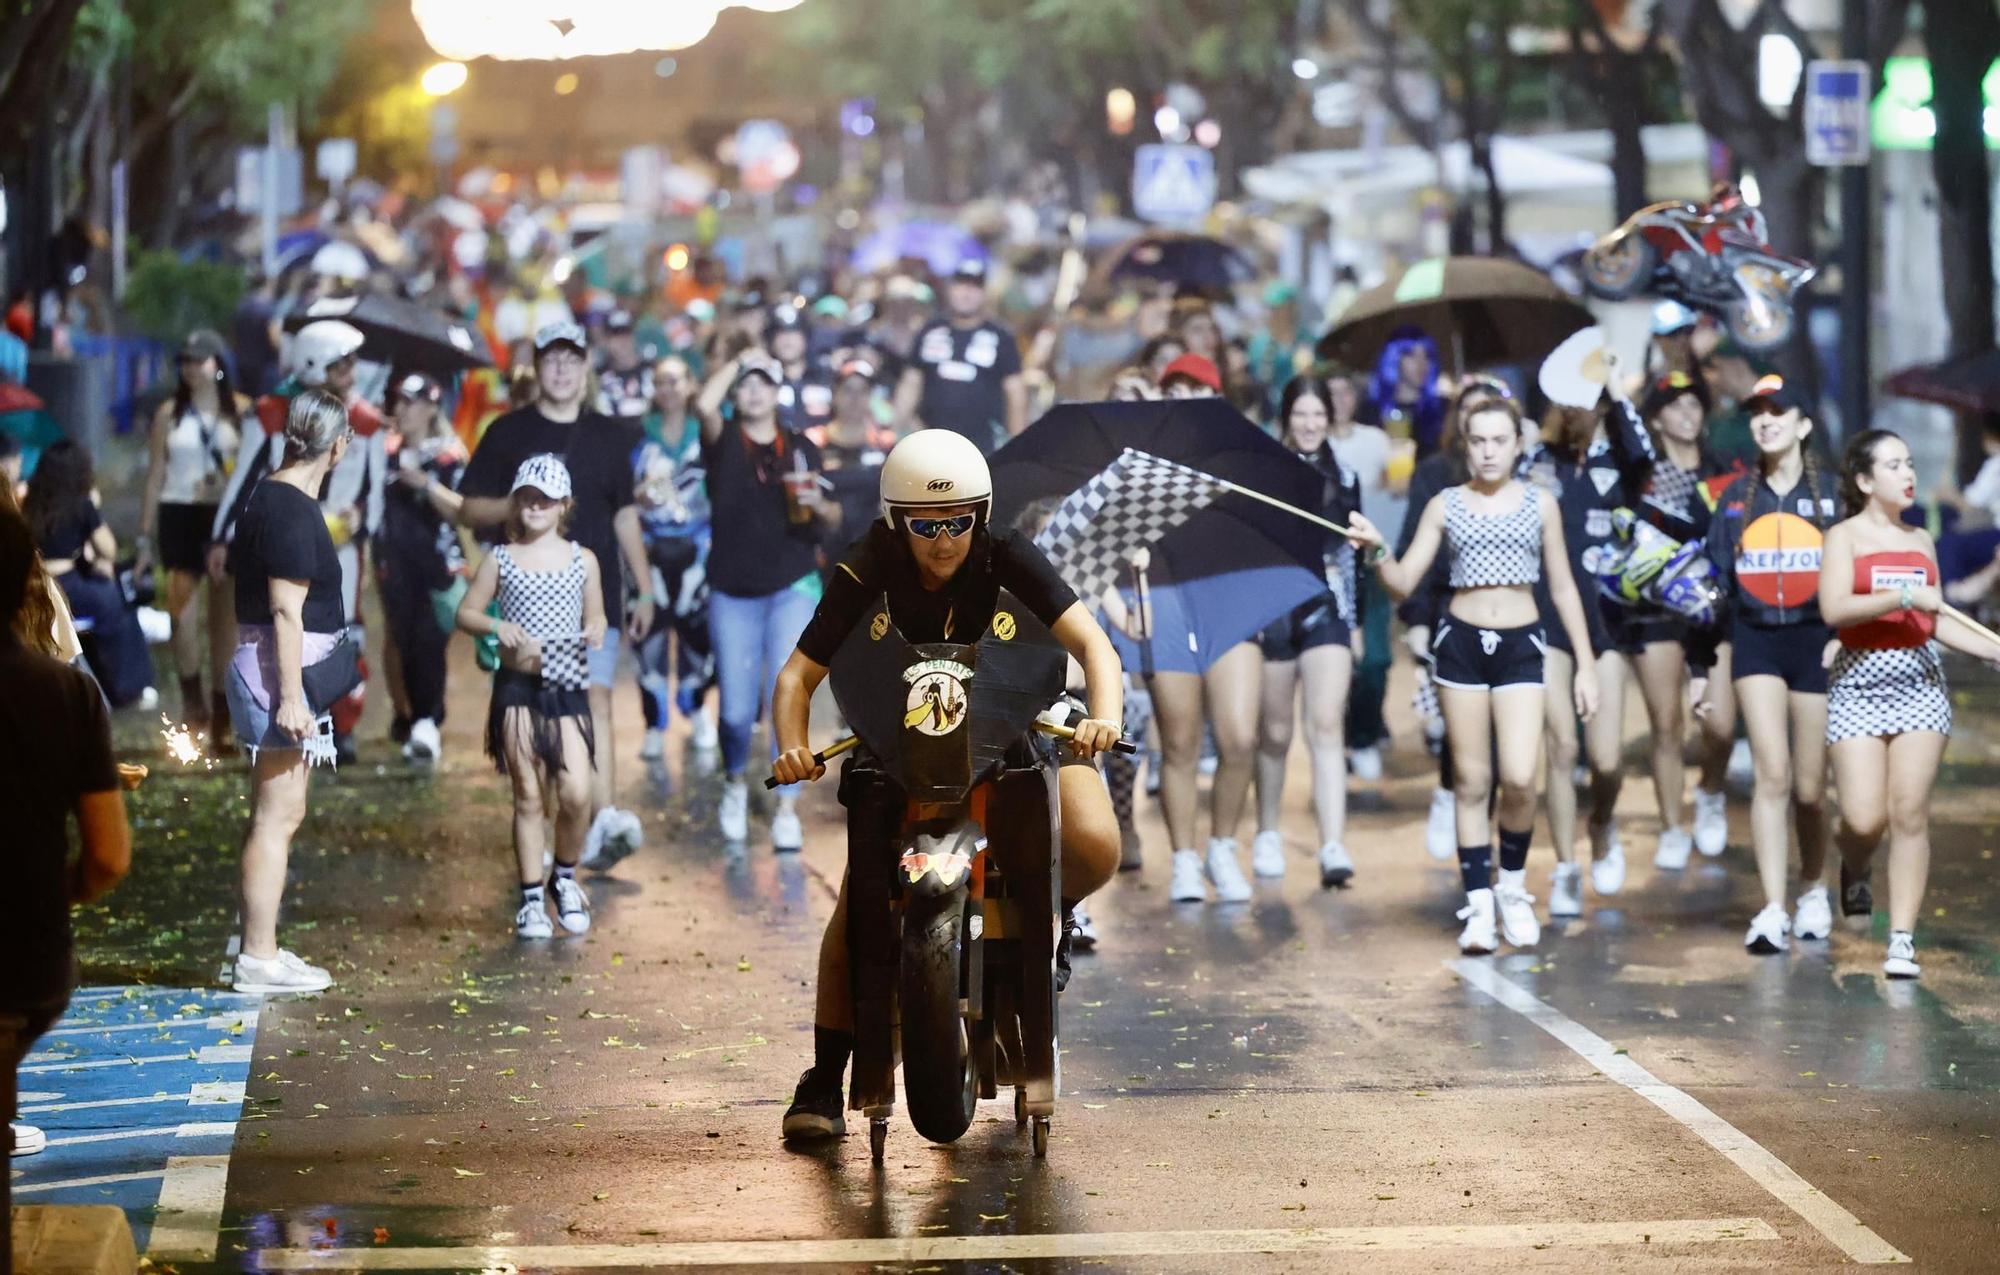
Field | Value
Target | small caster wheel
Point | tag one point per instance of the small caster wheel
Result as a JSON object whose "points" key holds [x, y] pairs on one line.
{"points": [[878, 1138], [1041, 1137], [1020, 1109]]}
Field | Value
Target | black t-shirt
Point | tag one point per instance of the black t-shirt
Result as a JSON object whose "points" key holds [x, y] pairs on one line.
{"points": [[855, 478], [282, 533], [415, 543], [627, 392], [598, 451], [965, 370], [754, 547], [70, 530], [55, 746], [880, 564]]}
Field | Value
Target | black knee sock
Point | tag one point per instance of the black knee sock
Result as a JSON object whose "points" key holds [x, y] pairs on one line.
{"points": [[531, 892], [831, 1049], [1475, 867], [1514, 849]]}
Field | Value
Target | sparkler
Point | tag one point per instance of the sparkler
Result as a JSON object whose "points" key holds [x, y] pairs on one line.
{"points": [[183, 745]]}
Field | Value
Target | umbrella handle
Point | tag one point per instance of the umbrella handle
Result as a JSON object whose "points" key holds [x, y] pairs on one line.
{"points": [[1145, 623]]}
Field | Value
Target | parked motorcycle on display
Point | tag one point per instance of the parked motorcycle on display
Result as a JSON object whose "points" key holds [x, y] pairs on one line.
{"points": [[954, 870], [1715, 256]]}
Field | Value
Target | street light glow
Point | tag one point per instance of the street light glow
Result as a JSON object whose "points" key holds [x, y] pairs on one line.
{"points": [[1305, 68], [444, 78], [1120, 110], [1779, 67], [555, 29]]}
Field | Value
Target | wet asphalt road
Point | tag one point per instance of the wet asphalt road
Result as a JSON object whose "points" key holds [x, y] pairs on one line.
{"points": [[1303, 1082]]}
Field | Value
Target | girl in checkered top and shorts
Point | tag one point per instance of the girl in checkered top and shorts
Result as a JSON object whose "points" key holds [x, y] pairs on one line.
{"points": [[1888, 712], [538, 729]]}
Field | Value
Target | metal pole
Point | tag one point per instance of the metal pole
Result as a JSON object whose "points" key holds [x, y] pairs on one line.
{"points": [[1856, 286], [274, 133]]}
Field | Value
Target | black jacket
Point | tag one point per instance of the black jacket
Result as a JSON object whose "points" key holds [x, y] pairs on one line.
{"points": [[1773, 581]]}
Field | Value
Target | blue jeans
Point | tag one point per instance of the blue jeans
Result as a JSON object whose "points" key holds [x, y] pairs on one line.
{"points": [[753, 637]]}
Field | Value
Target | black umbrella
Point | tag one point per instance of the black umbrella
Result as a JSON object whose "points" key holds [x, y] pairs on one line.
{"points": [[1243, 562], [1170, 256], [1481, 312], [1969, 383], [403, 334]]}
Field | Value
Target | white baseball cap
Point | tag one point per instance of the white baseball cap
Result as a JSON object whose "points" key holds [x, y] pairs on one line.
{"points": [[546, 473]]}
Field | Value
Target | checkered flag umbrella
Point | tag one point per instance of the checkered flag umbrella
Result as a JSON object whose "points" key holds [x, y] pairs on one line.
{"points": [[1131, 505]]}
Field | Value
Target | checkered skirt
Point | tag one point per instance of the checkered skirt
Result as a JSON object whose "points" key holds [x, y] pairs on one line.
{"points": [[1887, 692]]}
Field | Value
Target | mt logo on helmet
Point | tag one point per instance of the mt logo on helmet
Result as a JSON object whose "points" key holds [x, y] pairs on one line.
{"points": [[935, 468]]}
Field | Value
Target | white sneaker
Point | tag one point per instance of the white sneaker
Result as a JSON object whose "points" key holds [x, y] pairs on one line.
{"points": [[572, 905], [149, 699], [1566, 891], [734, 812], [1768, 931], [1607, 875], [593, 842], [1365, 764], [1675, 847], [653, 746], [28, 1139], [1441, 830], [1812, 918], [1336, 866], [1188, 886], [614, 834], [1518, 923], [532, 920], [786, 831], [1901, 961], [1711, 822], [1231, 886], [1741, 772], [1477, 938], [282, 973], [1083, 935], [424, 743], [701, 734], [1267, 854]]}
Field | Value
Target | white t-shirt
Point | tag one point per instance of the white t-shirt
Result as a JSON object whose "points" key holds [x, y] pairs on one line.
{"points": [[1366, 452], [1984, 490]]}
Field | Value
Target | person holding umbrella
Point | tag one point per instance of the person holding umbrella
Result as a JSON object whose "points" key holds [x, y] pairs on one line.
{"points": [[1497, 537]]}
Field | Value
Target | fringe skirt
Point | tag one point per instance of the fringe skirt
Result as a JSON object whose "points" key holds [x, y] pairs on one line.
{"points": [[544, 710]]}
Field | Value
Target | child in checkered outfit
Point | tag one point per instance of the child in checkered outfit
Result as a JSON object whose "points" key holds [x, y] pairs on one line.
{"points": [[538, 729]]}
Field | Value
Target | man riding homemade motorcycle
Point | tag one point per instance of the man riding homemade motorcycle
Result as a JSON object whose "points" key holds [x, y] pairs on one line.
{"points": [[940, 566]]}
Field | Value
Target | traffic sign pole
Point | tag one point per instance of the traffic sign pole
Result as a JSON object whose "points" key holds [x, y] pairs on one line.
{"points": [[1856, 378]]}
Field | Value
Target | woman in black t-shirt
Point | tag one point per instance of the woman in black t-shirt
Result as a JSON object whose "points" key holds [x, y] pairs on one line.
{"points": [[290, 616], [81, 554]]}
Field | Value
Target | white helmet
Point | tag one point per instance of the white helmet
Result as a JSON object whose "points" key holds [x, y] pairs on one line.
{"points": [[321, 344], [934, 468]]}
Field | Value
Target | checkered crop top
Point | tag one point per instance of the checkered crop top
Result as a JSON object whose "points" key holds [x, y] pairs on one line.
{"points": [[1493, 549]]}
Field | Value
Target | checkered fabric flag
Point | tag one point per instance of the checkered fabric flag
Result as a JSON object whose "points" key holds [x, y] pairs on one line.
{"points": [[1131, 505]]}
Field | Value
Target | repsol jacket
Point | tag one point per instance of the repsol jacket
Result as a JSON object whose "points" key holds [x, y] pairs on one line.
{"points": [[1766, 547]]}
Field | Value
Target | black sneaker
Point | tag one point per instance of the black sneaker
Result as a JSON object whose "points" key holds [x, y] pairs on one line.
{"points": [[344, 753], [1857, 901], [1062, 950], [816, 1111]]}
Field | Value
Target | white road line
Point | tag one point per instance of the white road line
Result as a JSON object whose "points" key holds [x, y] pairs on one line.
{"points": [[107, 1179], [188, 1220], [1841, 1228], [47, 1108], [190, 1129], [128, 1060], [219, 1022], [216, 1093], [972, 1248]]}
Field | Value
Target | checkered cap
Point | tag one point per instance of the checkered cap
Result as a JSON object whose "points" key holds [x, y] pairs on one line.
{"points": [[1131, 505], [545, 473]]}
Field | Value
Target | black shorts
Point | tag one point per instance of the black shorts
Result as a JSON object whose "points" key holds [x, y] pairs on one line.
{"points": [[183, 539], [1633, 630], [1311, 624], [1791, 652], [1468, 658]]}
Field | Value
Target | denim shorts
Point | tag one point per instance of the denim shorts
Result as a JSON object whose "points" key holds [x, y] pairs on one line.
{"points": [[255, 728]]}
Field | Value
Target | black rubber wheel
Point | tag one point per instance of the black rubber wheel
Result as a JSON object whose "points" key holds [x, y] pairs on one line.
{"points": [[1020, 1108], [1621, 268], [938, 1078], [1041, 1137], [878, 1138]]}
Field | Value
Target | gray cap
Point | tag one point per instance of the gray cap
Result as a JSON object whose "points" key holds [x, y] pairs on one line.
{"points": [[561, 332]]}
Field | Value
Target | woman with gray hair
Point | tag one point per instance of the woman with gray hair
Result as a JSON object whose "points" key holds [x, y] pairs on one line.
{"points": [[291, 629]]}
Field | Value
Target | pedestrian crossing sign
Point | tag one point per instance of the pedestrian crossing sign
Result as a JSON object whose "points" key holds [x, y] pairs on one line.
{"points": [[1173, 183]]}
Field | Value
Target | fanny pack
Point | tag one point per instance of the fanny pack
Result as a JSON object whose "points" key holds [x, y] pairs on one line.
{"points": [[328, 681]]}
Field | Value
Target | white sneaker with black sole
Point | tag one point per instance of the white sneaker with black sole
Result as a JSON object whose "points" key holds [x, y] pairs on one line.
{"points": [[732, 815], [1441, 826], [1901, 959], [28, 1140], [1231, 886], [1566, 891], [1083, 934], [572, 905], [1365, 764], [1267, 854], [424, 743], [531, 919], [1812, 916], [1674, 848], [1189, 885], [280, 974], [787, 833], [1770, 931], [1336, 866], [1478, 938], [1711, 822], [1518, 923]]}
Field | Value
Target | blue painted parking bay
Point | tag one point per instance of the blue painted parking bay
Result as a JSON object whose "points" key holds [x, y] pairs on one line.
{"points": [[139, 1090]]}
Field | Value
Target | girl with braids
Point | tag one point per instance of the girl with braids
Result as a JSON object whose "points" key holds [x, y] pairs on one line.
{"points": [[1497, 538], [1888, 709], [1764, 539]]}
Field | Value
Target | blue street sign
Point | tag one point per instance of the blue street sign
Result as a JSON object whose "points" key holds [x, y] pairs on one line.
{"points": [[1173, 183], [1836, 112]]}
